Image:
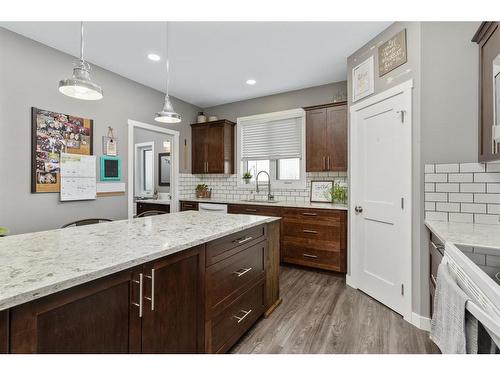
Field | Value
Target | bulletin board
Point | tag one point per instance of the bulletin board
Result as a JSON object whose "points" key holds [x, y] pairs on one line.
{"points": [[54, 133]]}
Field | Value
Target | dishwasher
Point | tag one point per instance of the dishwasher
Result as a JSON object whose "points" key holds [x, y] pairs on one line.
{"points": [[213, 207]]}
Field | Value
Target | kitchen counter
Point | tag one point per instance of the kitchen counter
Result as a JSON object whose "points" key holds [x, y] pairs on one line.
{"points": [[327, 206], [34, 265], [154, 201], [467, 234]]}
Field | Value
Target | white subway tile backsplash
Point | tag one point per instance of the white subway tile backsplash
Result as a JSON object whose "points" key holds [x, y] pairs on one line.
{"points": [[465, 192], [447, 187], [487, 251], [493, 261], [471, 167], [439, 216], [473, 208], [436, 177], [448, 207], [461, 218], [460, 177], [479, 259], [461, 197], [447, 168]]}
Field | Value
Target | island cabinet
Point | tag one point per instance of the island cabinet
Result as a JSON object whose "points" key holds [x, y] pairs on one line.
{"points": [[4, 332], [326, 137], [212, 148], [155, 308]]}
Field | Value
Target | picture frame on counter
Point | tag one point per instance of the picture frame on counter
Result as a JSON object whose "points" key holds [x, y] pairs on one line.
{"points": [[321, 191]]}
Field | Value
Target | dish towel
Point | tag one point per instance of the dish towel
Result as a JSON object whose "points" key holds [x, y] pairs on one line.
{"points": [[453, 329]]}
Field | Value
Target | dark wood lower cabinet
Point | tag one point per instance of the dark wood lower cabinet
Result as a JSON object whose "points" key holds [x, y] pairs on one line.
{"points": [[175, 323], [144, 207], [97, 317], [163, 306]]}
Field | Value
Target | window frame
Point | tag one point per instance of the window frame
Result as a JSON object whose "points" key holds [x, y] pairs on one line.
{"points": [[275, 183]]}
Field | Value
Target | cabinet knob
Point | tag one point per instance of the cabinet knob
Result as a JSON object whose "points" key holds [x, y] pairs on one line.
{"points": [[358, 209]]}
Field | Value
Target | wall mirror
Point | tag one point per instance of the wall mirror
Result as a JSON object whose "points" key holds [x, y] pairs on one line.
{"points": [[164, 169]]}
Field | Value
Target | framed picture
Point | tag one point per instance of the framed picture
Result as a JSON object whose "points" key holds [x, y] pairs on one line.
{"points": [[51, 134], [392, 53], [110, 168], [363, 79], [321, 191]]}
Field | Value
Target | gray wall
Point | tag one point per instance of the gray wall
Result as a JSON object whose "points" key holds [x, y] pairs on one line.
{"points": [[443, 65], [29, 73], [279, 102]]}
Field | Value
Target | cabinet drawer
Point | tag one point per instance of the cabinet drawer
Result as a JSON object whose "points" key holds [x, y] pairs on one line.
{"points": [[435, 259], [189, 206], [330, 260], [225, 247], [324, 217], [226, 278], [143, 207], [234, 321], [253, 210], [312, 231]]}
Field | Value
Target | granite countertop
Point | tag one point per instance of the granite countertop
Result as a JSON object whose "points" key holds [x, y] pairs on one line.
{"points": [[154, 201], [34, 265], [467, 234], [326, 206]]}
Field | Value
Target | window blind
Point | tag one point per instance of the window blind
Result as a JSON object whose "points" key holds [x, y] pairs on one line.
{"points": [[270, 140]]}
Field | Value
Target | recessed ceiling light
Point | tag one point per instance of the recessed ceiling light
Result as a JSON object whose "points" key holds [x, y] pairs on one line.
{"points": [[154, 57], [251, 81]]}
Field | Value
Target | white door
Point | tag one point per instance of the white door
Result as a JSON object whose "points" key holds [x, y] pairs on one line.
{"points": [[380, 209]]}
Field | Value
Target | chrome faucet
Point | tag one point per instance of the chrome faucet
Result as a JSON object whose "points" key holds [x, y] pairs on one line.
{"points": [[270, 197]]}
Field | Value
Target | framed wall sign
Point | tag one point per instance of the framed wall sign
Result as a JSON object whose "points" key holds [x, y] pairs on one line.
{"points": [[363, 79], [51, 134], [110, 168], [321, 191], [392, 53]]}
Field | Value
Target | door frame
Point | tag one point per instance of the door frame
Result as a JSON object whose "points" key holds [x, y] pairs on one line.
{"points": [[174, 184], [405, 89]]}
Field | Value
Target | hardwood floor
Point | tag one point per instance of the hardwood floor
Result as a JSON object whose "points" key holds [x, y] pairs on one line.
{"points": [[320, 314]]}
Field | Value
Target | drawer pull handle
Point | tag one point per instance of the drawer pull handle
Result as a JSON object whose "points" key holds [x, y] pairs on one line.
{"points": [[497, 276], [310, 231], [243, 240], [250, 210], [242, 271], [240, 318], [309, 214], [139, 305], [433, 279], [310, 256]]}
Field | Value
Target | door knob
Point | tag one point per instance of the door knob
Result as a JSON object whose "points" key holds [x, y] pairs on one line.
{"points": [[358, 209]]}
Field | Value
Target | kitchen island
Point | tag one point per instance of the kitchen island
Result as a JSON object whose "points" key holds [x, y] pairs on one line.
{"points": [[187, 282]]}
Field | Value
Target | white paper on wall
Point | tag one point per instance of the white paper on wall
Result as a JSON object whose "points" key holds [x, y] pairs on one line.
{"points": [[78, 177]]}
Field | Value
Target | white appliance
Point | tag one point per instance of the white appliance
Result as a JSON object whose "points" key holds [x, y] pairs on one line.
{"points": [[212, 207]]}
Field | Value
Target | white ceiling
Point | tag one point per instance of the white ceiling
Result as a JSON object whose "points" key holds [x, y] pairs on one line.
{"points": [[210, 61]]}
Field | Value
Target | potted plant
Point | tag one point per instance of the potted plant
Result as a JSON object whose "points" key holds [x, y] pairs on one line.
{"points": [[247, 176], [338, 193], [202, 191]]}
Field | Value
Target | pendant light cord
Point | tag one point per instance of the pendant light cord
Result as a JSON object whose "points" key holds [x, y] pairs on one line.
{"points": [[81, 40], [168, 65]]}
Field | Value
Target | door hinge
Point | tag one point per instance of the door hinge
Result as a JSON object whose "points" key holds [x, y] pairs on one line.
{"points": [[402, 289], [402, 203], [402, 114]]}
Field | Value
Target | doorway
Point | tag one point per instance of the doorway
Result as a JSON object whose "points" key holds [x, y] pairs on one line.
{"points": [[380, 172], [150, 147]]}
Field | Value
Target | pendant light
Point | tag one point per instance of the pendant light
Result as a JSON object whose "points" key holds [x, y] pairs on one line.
{"points": [[167, 114], [80, 86]]}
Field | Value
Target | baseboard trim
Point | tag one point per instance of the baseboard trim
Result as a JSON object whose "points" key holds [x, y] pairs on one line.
{"points": [[421, 322], [349, 281]]}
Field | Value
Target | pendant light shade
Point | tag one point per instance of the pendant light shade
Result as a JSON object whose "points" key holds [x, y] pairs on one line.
{"points": [[167, 114], [80, 86]]}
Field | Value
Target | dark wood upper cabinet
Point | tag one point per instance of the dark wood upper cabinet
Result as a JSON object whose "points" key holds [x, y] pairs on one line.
{"points": [[213, 147], [326, 137], [488, 39]]}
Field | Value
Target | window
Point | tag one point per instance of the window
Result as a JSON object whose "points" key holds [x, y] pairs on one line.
{"points": [[273, 143], [144, 169], [147, 170]]}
